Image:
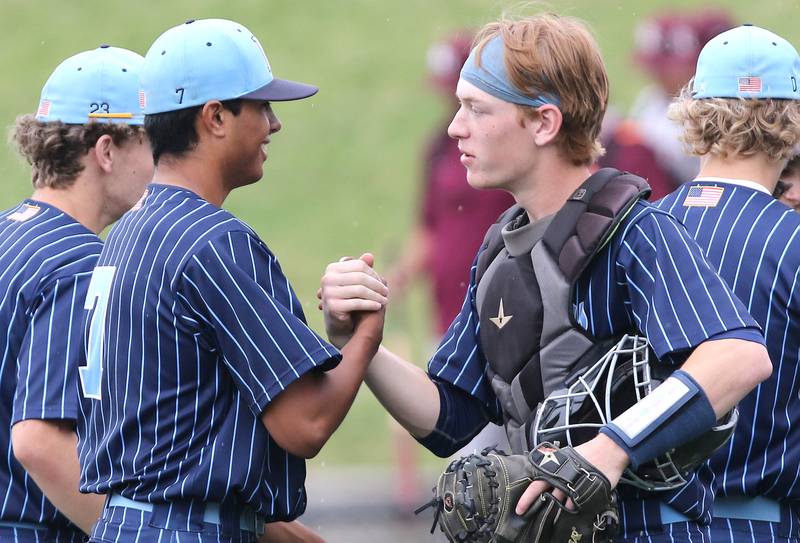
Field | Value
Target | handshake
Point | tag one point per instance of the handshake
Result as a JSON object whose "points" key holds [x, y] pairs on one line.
{"points": [[353, 298]]}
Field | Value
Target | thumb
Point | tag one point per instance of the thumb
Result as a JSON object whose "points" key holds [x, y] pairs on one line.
{"points": [[369, 258]]}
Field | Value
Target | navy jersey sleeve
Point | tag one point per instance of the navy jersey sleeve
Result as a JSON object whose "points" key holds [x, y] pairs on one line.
{"points": [[676, 298], [459, 359], [232, 285], [47, 380]]}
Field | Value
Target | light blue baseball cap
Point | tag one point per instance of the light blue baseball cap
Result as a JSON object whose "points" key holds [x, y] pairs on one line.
{"points": [[211, 59], [101, 85], [747, 62]]}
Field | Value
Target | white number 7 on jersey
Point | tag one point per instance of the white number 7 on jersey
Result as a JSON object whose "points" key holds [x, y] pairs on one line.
{"points": [[97, 299]]}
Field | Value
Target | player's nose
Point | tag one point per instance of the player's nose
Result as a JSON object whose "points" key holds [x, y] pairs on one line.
{"points": [[456, 129], [274, 122]]}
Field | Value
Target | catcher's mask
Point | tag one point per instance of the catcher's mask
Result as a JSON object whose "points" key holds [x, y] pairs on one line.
{"points": [[599, 393]]}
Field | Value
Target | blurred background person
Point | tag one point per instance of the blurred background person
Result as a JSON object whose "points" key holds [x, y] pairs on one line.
{"points": [[788, 188], [666, 46], [453, 218]]}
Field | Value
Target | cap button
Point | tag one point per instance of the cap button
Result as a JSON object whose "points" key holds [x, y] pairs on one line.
{"points": [[190, 21], [747, 24], [104, 46]]}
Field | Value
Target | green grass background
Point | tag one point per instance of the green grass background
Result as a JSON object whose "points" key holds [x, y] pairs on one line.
{"points": [[343, 174]]}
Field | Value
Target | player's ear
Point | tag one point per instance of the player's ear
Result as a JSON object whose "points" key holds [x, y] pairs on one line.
{"points": [[211, 118], [102, 152], [546, 124]]}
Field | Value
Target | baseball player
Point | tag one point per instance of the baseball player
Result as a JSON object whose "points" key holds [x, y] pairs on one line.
{"points": [[91, 162], [788, 188], [533, 94], [741, 115], [208, 388]]}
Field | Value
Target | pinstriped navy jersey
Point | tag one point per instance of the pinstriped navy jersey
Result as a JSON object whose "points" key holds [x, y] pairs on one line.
{"points": [[754, 241], [652, 278], [193, 330], [46, 258]]}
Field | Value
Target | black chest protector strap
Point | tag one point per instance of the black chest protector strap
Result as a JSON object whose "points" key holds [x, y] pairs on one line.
{"points": [[582, 226], [590, 217], [528, 331]]}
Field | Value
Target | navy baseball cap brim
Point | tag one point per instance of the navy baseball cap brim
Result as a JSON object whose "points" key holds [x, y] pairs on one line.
{"points": [[282, 90]]}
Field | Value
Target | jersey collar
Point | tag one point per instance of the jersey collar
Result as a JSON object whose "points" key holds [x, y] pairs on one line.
{"points": [[740, 182]]}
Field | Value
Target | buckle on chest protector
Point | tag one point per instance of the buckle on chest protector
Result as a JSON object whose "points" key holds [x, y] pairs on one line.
{"points": [[578, 195]]}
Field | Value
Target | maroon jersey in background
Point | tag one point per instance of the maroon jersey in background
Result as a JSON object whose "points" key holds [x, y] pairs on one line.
{"points": [[456, 217]]}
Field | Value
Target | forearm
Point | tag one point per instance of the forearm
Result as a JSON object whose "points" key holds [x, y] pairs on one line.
{"points": [[416, 253], [289, 532], [337, 388], [405, 390], [304, 416], [728, 369], [48, 451], [59, 482]]}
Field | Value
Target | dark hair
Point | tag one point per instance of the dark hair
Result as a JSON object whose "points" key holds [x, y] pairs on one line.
{"points": [[792, 167], [55, 150], [173, 132], [780, 189]]}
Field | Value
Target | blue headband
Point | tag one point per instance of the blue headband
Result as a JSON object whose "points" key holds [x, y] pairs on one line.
{"points": [[491, 76]]}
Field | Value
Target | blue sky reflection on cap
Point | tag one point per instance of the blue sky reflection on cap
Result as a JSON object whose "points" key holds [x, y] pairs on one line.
{"points": [[492, 78]]}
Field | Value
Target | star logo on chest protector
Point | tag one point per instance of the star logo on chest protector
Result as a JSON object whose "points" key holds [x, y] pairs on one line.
{"points": [[501, 319]]}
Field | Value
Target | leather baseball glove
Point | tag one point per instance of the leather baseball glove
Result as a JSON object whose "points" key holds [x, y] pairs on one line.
{"points": [[476, 495]]}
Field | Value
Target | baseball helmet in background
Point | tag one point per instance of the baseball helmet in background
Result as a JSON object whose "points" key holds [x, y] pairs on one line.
{"points": [[677, 36], [445, 59]]}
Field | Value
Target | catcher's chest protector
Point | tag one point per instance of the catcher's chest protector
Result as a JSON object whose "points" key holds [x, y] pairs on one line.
{"points": [[525, 276]]}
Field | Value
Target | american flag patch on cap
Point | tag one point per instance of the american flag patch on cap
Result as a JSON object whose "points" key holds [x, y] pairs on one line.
{"points": [[749, 84], [142, 100], [44, 108], [700, 196]]}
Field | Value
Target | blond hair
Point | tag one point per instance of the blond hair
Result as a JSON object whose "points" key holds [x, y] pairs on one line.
{"points": [[728, 127], [55, 150], [549, 54]]}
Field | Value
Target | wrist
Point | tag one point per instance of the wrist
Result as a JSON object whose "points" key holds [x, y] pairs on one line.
{"points": [[366, 341], [617, 458], [606, 455], [338, 340], [369, 335]]}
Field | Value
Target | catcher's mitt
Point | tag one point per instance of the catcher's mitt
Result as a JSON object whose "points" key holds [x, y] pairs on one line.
{"points": [[476, 495]]}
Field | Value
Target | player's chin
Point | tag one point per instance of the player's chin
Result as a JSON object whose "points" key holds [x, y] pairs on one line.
{"points": [[250, 179], [256, 171], [473, 178], [477, 180]]}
